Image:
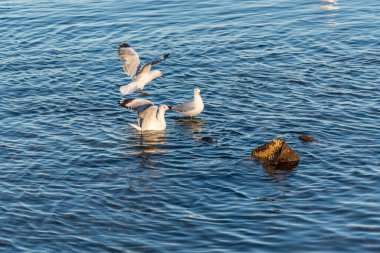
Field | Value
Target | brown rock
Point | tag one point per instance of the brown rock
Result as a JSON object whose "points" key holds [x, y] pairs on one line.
{"points": [[276, 154], [306, 138]]}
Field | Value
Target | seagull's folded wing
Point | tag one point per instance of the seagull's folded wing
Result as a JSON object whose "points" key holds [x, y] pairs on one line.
{"points": [[183, 107]]}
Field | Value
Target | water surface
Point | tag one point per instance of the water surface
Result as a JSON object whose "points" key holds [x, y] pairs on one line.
{"points": [[76, 178]]}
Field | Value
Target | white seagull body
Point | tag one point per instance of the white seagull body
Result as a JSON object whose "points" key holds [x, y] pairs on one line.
{"points": [[131, 62], [191, 108], [144, 77], [149, 116]]}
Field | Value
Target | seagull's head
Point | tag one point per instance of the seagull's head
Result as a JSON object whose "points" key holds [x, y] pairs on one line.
{"points": [[164, 107], [197, 91]]}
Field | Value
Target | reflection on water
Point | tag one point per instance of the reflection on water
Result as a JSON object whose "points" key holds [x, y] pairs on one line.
{"points": [[144, 151], [193, 125], [281, 173], [150, 142], [329, 7], [276, 172], [330, 1]]}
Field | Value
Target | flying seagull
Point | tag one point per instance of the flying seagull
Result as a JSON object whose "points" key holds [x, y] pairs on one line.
{"points": [[191, 108], [145, 75], [149, 116]]}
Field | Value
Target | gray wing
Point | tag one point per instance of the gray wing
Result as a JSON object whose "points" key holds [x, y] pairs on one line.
{"points": [[136, 104], [130, 59], [183, 107], [148, 66], [159, 59]]}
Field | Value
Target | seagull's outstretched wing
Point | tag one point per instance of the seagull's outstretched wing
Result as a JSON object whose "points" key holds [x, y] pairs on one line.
{"points": [[159, 59], [136, 104], [130, 59], [148, 66]]}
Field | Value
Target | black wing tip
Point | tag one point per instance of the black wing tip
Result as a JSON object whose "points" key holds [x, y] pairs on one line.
{"points": [[158, 59], [123, 44], [124, 102]]}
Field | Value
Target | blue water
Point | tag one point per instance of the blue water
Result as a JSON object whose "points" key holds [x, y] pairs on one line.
{"points": [[75, 177]]}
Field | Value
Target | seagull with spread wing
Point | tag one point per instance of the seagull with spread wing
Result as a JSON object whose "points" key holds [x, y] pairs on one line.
{"points": [[191, 108], [145, 75], [149, 116]]}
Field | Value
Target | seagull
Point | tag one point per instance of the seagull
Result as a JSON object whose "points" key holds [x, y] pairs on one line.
{"points": [[131, 61], [191, 108], [149, 116]]}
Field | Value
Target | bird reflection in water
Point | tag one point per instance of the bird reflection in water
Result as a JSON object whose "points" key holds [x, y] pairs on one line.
{"points": [[144, 151], [191, 125], [149, 142]]}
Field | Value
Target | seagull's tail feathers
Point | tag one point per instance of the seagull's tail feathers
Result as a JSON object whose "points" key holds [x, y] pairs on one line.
{"points": [[128, 89], [135, 126]]}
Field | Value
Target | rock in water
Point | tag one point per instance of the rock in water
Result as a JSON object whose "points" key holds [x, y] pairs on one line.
{"points": [[306, 138], [209, 140], [276, 154]]}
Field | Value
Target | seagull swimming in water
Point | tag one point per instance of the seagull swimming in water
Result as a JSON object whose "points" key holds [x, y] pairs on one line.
{"points": [[131, 62], [149, 116], [191, 108]]}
